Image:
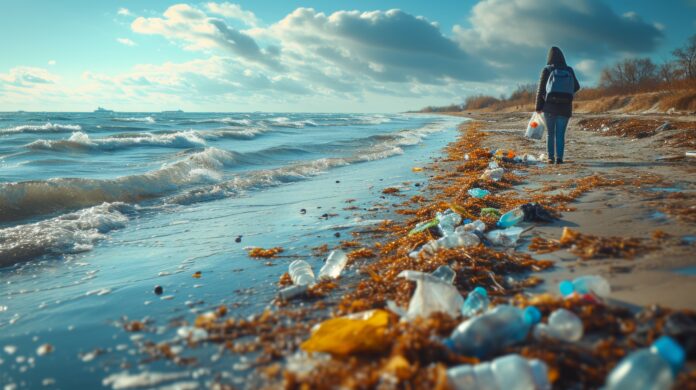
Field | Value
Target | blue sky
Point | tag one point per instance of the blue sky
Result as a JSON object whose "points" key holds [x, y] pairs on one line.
{"points": [[312, 55]]}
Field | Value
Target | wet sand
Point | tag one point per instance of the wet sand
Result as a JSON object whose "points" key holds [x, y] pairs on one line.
{"points": [[665, 276]]}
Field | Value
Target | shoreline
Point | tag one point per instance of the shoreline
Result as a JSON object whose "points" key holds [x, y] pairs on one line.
{"points": [[664, 276], [507, 274]]}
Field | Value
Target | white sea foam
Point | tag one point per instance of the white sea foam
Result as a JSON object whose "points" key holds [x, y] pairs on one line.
{"points": [[146, 119], [79, 140], [125, 380], [387, 146], [69, 233], [286, 122], [47, 127]]}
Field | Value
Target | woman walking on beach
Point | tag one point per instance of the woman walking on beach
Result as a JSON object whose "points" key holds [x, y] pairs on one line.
{"points": [[557, 86]]}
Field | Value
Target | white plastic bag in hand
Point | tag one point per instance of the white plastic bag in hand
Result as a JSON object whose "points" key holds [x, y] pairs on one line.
{"points": [[536, 127]]}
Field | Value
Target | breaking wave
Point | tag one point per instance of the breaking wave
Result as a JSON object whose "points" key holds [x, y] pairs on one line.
{"points": [[146, 119], [82, 141], [47, 127], [69, 233], [30, 198]]}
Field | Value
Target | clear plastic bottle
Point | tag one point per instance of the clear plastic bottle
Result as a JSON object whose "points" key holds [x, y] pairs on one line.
{"points": [[476, 302], [509, 372], [493, 174], [478, 193], [651, 368], [511, 218], [292, 292], [301, 273], [445, 273], [448, 221], [493, 330], [563, 325], [505, 237], [454, 240], [590, 284], [335, 263], [476, 225]]}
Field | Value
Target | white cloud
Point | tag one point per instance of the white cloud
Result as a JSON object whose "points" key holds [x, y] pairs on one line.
{"points": [[125, 41], [124, 11], [350, 59], [233, 11], [51, 62], [197, 31], [515, 34], [26, 76]]}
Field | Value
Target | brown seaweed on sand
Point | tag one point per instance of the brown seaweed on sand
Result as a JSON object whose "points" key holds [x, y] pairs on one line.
{"points": [[587, 246]]}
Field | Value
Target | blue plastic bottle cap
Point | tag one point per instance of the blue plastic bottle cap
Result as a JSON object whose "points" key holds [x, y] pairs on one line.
{"points": [[566, 287], [671, 351], [532, 315], [449, 343], [467, 221], [480, 290]]}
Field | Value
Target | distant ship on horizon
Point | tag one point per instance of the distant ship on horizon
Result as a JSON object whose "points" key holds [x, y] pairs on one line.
{"points": [[102, 110], [172, 111]]}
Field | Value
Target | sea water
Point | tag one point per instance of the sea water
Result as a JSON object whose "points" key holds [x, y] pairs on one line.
{"points": [[98, 208]]}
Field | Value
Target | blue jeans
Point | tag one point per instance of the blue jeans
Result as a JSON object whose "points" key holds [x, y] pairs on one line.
{"points": [[555, 139]]}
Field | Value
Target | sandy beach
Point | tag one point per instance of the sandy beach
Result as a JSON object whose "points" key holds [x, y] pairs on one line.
{"points": [[630, 199], [664, 276]]}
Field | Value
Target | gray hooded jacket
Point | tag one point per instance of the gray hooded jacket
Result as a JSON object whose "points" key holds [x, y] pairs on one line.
{"points": [[555, 58]]}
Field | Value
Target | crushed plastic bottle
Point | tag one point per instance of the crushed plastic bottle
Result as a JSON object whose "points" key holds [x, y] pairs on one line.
{"points": [[509, 372], [493, 330], [301, 273], [475, 226], [493, 174], [335, 263], [431, 295], [511, 218], [455, 240], [448, 221], [476, 302], [445, 273], [478, 192], [651, 368], [505, 237], [589, 284], [563, 325]]}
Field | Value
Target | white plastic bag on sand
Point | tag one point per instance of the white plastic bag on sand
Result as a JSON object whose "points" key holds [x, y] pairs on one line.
{"points": [[505, 237], [536, 127], [432, 295]]}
